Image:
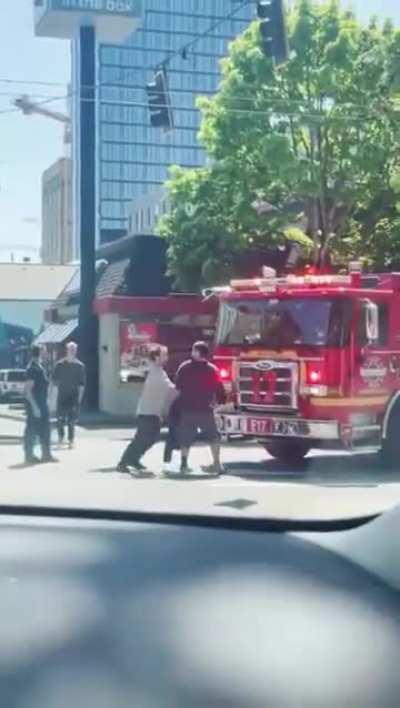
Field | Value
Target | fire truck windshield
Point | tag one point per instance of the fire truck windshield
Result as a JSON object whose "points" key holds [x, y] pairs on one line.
{"points": [[281, 322]]}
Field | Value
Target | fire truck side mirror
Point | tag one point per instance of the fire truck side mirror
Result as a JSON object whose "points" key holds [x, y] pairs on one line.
{"points": [[371, 311]]}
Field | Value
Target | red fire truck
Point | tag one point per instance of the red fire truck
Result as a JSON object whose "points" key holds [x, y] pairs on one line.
{"points": [[312, 361]]}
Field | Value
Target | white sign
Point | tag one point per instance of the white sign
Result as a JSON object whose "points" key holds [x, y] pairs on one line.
{"points": [[114, 7]]}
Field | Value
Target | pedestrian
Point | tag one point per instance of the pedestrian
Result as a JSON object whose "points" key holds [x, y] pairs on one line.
{"points": [[157, 397], [37, 409], [69, 378], [199, 387]]}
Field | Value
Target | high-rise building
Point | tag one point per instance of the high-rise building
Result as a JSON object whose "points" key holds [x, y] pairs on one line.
{"points": [[57, 242], [134, 157]]}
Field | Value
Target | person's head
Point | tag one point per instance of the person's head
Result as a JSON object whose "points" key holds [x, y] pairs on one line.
{"points": [[200, 351], [158, 355], [38, 353], [71, 350]]}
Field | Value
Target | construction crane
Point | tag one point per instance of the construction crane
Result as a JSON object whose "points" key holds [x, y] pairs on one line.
{"points": [[29, 107]]}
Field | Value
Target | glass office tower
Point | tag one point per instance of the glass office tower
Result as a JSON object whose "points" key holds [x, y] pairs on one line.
{"points": [[134, 157]]}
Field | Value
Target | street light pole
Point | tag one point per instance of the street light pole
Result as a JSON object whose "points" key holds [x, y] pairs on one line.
{"points": [[88, 323]]}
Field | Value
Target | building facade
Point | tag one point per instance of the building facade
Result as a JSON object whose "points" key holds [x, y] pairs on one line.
{"points": [[132, 156], [145, 211], [57, 240]]}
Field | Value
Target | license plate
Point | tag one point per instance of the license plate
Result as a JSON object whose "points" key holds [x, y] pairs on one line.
{"points": [[259, 426]]}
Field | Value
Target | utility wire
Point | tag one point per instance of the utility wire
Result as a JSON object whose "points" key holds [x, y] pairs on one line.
{"points": [[40, 103], [184, 49], [303, 107], [268, 112]]}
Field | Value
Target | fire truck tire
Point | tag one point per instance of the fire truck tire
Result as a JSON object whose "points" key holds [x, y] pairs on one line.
{"points": [[290, 452], [391, 446]]}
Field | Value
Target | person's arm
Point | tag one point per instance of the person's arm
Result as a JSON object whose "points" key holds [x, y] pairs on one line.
{"points": [[179, 378], [170, 395], [82, 385], [55, 379], [220, 393], [29, 385]]}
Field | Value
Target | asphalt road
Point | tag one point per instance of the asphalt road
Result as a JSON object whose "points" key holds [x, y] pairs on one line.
{"points": [[333, 485]]}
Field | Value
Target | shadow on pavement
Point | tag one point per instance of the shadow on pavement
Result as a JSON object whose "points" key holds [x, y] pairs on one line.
{"points": [[323, 470], [21, 466], [238, 504], [105, 470]]}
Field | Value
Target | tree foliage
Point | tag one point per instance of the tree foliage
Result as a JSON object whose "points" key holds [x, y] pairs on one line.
{"points": [[314, 145]]}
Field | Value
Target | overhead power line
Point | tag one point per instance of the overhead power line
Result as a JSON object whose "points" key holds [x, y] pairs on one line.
{"points": [[184, 50], [267, 112]]}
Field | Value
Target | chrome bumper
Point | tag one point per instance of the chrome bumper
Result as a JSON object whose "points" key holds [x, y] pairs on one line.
{"points": [[274, 426]]}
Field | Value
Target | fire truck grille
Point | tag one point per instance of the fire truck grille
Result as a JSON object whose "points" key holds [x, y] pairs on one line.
{"points": [[267, 385]]}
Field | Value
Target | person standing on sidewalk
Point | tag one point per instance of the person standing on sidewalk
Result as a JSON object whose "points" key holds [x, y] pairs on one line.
{"points": [[156, 399], [199, 386], [37, 409], [69, 377]]}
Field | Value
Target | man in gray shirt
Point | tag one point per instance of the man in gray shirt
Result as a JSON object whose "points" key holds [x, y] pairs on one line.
{"points": [[157, 397], [70, 379]]}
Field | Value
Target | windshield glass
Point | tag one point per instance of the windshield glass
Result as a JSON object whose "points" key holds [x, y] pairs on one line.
{"points": [[280, 323], [159, 160]]}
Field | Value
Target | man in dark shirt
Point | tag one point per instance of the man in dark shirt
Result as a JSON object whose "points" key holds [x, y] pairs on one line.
{"points": [[70, 379], [37, 409], [199, 386]]}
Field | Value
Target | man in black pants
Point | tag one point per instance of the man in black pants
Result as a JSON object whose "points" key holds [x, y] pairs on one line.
{"points": [[199, 387], [157, 396], [37, 409], [70, 379]]}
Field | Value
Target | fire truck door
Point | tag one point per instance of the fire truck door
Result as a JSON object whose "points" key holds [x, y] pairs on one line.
{"points": [[371, 372]]}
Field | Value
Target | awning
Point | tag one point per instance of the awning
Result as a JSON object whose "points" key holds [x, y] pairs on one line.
{"points": [[57, 333]]}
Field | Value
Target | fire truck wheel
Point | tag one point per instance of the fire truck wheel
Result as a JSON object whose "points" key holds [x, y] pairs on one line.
{"points": [[391, 446], [290, 452]]}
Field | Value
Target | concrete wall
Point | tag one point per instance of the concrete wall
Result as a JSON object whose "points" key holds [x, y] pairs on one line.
{"points": [[57, 213], [115, 398]]}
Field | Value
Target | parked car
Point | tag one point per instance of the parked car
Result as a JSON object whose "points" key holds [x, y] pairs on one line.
{"points": [[12, 384]]}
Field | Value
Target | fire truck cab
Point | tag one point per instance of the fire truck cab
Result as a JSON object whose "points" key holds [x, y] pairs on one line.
{"points": [[312, 361]]}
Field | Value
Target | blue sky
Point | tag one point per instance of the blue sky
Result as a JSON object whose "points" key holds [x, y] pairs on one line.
{"points": [[28, 145]]}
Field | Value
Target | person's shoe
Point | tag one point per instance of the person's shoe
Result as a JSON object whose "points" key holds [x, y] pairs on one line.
{"points": [[71, 445], [47, 459], [123, 469], [216, 470], [185, 469], [138, 467], [33, 460]]}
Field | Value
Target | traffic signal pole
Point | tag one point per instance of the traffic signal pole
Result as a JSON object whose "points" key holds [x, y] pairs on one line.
{"points": [[88, 323]]}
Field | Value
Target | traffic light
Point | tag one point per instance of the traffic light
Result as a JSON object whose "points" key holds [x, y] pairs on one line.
{"points": [[159, 101], [273, 30]]}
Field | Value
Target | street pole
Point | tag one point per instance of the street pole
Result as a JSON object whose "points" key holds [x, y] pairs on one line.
{"points": [[88, 323]]}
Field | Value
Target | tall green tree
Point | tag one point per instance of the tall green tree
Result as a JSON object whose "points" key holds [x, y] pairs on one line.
{"points": [[306, 152]]}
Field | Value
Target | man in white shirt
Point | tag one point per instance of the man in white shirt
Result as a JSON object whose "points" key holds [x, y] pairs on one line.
{"points": [[156, 399]]}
